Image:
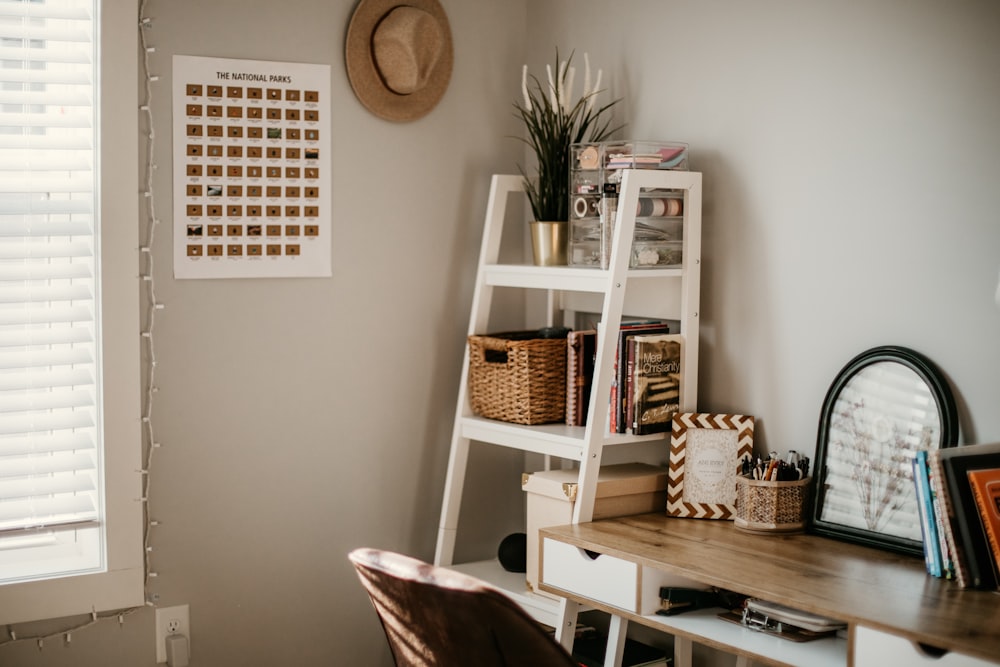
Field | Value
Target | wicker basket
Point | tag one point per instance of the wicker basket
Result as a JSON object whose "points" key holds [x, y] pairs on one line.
{"points": [[771, 507], [518, 377]]}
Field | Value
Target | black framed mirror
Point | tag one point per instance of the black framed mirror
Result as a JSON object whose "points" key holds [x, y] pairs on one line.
{"points": [[885, 405]]}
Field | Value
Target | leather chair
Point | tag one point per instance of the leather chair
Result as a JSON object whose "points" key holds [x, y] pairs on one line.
{"points": [[436, 617]]}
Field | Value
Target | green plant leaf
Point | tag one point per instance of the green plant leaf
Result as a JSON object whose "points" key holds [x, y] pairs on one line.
{"points": [[551, 130]]}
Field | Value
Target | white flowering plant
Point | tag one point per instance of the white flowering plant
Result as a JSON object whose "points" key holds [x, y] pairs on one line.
{"points": [[555, 120]]}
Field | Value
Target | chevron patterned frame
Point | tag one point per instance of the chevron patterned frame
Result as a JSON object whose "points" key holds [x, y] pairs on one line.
{"points": [[705, 454]]}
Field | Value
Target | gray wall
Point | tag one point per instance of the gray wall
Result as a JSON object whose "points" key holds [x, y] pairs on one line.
{"points": [[849, 152]]}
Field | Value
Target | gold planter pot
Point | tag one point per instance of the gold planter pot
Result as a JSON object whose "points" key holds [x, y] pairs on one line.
{"points": [[549, 241]]}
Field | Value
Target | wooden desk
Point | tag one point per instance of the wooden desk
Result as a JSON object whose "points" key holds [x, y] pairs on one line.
{"points": [[887, 596]]}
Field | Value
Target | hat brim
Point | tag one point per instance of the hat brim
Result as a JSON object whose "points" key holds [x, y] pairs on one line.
{"points": [[363, 74]]}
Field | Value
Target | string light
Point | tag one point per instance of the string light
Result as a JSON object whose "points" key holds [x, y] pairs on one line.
{"points": [[149, 442], [66, 633]]}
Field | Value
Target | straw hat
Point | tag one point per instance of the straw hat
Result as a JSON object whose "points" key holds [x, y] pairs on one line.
{"points": [[399, 56]]}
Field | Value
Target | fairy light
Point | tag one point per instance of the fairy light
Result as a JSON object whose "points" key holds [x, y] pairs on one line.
{"points": [[149, 443], [153, 305]]}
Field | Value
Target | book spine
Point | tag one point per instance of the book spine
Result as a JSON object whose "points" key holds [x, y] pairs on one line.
{"points": [[630, 386], [613, 407], [620, 364], [947, 558], [928, 528], [948, 516], [573, 344]]}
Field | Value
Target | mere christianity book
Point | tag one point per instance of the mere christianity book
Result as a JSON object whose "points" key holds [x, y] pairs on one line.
{"points": [[658, 382]]}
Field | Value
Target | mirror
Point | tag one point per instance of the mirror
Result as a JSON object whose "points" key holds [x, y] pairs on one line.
{"points": [[885, 405]]}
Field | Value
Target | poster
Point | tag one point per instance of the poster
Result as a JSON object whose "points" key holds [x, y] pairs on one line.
{"points": [[252, 182]]}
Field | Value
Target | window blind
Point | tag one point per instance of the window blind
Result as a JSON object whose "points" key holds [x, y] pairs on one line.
{"points": [[50, 458]]}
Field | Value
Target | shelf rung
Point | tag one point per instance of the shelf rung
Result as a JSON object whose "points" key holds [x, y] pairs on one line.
{"points": [[564, 278], [552, 439]]}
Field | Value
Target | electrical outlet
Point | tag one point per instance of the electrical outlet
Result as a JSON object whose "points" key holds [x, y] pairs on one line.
{"points": [[171, 621]]}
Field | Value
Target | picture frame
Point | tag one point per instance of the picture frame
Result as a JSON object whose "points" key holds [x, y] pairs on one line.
{"points": [[705, 454], [886, 404]]}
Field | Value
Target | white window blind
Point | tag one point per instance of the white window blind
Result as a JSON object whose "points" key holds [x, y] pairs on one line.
{"points": [[51, 506]]}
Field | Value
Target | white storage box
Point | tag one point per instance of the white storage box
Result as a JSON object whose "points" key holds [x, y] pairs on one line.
{"points": [[627, 488]]}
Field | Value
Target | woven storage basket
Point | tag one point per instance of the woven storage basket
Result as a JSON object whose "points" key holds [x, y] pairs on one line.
{"points": [[518, 377], [771, 507]]}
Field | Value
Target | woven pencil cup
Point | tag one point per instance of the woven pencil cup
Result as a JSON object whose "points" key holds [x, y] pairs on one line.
{"points": [[518, 377], [771, 507]]}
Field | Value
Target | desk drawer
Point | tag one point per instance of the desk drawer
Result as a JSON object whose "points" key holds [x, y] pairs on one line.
{"points": [[873, 648], [606, 579]]}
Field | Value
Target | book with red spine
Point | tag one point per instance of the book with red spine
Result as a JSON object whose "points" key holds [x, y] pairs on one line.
{"points": [[985, 485]]}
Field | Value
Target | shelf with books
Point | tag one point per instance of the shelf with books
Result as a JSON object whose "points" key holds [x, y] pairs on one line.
{"points": [[573, 292]]}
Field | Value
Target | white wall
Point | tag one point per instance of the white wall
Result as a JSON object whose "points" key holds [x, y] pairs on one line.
{"points": [[851, 153], [849, 150]]}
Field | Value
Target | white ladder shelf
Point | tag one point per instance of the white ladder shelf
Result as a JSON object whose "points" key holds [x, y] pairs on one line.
{"points": [[670, 293]]}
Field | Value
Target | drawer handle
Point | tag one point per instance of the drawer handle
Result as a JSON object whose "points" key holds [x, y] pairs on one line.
{"points": [[932, 652], [592, 555]]}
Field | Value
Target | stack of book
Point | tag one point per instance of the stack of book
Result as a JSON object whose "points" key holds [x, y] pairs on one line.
{"points": [[958, 493], [647, 377]]}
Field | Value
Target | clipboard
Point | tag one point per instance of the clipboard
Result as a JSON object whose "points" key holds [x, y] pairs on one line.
{"points": [[782, 621]]}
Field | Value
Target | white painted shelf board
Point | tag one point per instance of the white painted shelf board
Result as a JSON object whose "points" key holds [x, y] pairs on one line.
{"points": [[565, 278], [553, 439], [827, 652]]}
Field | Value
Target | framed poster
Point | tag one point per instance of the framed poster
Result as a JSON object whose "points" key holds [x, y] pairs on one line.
{"points": [[705, 455], [885, 405], [251, 169]]}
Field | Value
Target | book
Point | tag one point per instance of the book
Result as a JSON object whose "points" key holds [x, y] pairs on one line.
{"points": [[627, 331], [581, 347], [969, 537], [947, 557], [658, 382], [925, 510], [985, 485], [626, 326], [948, 521], [629, 384]]}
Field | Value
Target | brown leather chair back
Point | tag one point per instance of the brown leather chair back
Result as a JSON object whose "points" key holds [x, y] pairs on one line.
{"points": [[437, 617]]}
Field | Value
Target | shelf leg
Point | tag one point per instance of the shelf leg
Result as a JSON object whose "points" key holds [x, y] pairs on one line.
{"points": [[451, 503], [551, 308], [617, 631], [682, 651], [566, 628]]}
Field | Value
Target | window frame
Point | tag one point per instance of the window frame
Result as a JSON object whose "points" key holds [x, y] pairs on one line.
{"points": [[122, 585]]}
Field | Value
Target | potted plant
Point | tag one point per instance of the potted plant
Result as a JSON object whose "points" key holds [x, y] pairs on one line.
{"points": [[554, 120]]}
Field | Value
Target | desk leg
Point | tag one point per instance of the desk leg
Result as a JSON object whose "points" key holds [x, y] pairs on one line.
{"points": [[682, 651], [617, 631], [743, 661], [566, 630]]}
